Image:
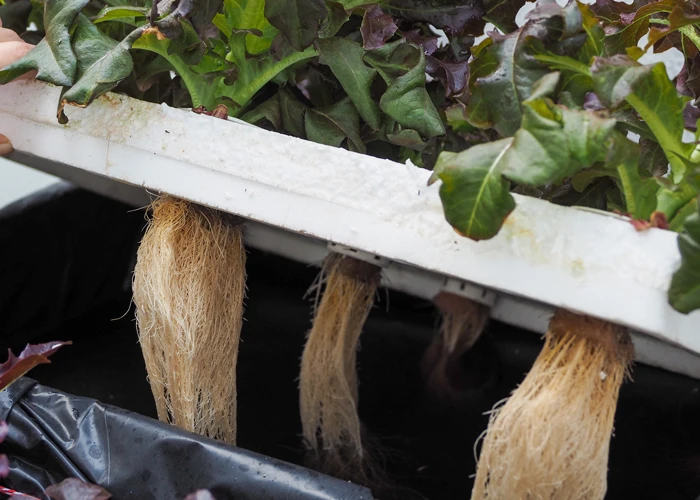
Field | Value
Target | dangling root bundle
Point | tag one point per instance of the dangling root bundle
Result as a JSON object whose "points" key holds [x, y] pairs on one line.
{"points": [[189, 285], [463, 321], [550, 440], [328, 382]]}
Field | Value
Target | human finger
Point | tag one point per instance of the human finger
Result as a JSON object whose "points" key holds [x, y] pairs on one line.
{"points": [[8, 35], [5, 146]]}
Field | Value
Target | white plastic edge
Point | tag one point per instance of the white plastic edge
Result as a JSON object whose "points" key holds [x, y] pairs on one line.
{"points": [[545, 254]]}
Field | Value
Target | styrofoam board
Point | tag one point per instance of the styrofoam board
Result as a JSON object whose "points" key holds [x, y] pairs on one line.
{"points": [[563, 257]]}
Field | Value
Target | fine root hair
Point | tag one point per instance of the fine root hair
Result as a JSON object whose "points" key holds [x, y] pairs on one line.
{"points": [[189, 287], [462, 323], [550, 440], [328, 399]]}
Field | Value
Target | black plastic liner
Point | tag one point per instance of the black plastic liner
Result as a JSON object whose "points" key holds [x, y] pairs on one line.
{"points": [[54, 435], [63, 252]]}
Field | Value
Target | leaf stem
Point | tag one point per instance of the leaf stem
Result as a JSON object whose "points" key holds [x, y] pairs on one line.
{"points": [[560, 62], [691, 34], [670, 144]]}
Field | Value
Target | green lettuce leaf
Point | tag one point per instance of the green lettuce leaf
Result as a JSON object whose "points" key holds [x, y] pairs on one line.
{"points": [[684, 293], [345, 59], [102, 63], [243, 15], [53, 57], [334, 124], [475, 196], [504, 68], [653, 96], [298, 20], [406, 100]]}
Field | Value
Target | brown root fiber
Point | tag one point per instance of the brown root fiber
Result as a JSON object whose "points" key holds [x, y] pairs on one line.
{"points": [[463, 321], [550, 440], [328, 383], [189, 286]]}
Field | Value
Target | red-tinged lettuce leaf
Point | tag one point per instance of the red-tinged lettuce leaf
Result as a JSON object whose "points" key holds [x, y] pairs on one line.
{"points": [[653, 96], [453, 75], [377, 27], [335, 125], [475, 196], [657, 219], [683, 14], [611, 10], [407, 138], [53, 57], [345, 59], [75, 489], [429, 43], [688, 80], [627, 24], [298, 20], [453, 17], [684, 293], [203, 13], [502, 13], [32, 355], [504, 69], [176, 11], [691, 115], [220, 112]]}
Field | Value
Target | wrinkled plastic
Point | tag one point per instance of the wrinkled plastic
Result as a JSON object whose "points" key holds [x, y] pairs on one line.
{"points": [[54, 435]]}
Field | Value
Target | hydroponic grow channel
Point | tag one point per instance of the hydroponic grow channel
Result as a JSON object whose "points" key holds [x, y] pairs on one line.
{"points": [[302, 197]]}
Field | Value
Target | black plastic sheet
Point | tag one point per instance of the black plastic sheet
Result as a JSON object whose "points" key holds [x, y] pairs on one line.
{"points": [[54, 435], [63, 251]]}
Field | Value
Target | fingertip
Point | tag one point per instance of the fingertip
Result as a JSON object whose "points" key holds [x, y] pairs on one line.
{"points": [[13, 51], [5, 146]]}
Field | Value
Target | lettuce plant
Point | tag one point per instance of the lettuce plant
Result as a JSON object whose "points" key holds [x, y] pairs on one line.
{"points": [[559, 108]]}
